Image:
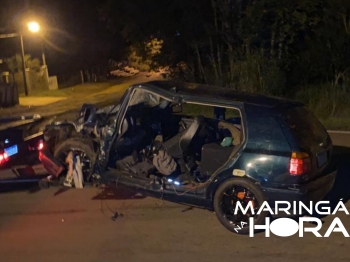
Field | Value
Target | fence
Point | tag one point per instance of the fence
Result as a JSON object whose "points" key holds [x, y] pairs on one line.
{"points": [[8, 95]]}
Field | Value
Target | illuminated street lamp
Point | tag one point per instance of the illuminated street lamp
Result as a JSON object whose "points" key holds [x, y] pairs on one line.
{"points": [[33, 27]]}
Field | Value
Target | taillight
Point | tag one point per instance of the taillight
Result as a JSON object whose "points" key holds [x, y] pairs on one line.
{"points": [[41, 145], [299, 164], [3, 157]]}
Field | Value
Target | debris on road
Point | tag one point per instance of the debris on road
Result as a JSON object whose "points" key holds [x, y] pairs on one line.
{"points": [[74, 174]]}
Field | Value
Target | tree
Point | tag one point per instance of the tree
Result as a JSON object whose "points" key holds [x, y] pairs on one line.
{"points": [[273, 46], [14, 63]]}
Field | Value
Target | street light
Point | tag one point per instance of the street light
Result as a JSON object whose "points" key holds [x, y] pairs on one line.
{"points": [[33, 27]]}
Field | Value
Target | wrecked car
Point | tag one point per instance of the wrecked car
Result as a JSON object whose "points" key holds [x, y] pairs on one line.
{"points": [[199, 145]]}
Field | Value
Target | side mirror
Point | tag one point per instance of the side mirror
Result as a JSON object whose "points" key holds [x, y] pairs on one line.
{"points": [[177, 108]]}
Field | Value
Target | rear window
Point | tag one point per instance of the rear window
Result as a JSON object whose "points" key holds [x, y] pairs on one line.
{"points": [[305, 127]]}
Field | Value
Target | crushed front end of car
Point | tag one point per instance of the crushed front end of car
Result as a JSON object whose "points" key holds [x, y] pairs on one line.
{"points": [[85, 137]]}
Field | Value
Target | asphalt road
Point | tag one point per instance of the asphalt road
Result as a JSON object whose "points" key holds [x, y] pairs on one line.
{"points": [[76, 225]]}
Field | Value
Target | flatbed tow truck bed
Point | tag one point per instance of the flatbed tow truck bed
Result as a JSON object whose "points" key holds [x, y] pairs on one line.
{"points": [[19, 160]]}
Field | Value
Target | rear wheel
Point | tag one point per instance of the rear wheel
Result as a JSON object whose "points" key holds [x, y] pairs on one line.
{"points": [[80, 147], [225, 200]]}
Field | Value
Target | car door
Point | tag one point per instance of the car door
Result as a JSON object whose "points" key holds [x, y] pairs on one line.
{"points": [[136, 96]]}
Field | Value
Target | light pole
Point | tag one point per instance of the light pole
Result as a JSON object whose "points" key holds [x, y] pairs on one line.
{"points": [[24, 67], [34, 27]]}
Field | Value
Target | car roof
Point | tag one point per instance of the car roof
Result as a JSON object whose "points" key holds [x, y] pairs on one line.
{"points": [[217, 94]]}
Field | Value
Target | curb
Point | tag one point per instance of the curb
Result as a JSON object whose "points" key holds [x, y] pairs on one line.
{"points": [[18, 118], [338, 132]]}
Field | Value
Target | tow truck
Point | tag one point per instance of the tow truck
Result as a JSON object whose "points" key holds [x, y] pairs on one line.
{"points": [[19, 150]]}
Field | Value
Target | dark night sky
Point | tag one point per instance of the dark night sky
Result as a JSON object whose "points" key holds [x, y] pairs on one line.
{"points": [[74, 36]]}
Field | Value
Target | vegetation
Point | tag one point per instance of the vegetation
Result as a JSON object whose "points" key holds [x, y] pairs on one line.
{"points": [[14, 66], [144, 57], [297, 49], [14, 63]]}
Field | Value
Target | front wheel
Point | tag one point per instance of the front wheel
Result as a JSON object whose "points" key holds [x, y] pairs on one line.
{"points": [[247, 194], [80, 147]]}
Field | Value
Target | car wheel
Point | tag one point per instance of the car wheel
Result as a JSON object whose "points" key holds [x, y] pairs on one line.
{"points": [[80, 147], [225, 200]]}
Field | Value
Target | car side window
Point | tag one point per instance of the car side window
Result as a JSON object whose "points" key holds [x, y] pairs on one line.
{"points": [[227, 121], [222, 113]]}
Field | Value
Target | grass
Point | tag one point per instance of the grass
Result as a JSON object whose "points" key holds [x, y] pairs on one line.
{"points": [[82, 89], [334, 123], [47, 93], [330, 104]]}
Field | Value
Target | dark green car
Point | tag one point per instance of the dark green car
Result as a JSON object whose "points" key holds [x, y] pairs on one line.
{"points": [[200, 145]]}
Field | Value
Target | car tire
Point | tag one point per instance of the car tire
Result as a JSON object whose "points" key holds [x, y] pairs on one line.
{"points": [[76, 143], [44, 183], [217, 203]]}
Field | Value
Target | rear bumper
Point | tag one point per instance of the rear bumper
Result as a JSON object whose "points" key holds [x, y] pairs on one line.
{"points": [[313, 191]]}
